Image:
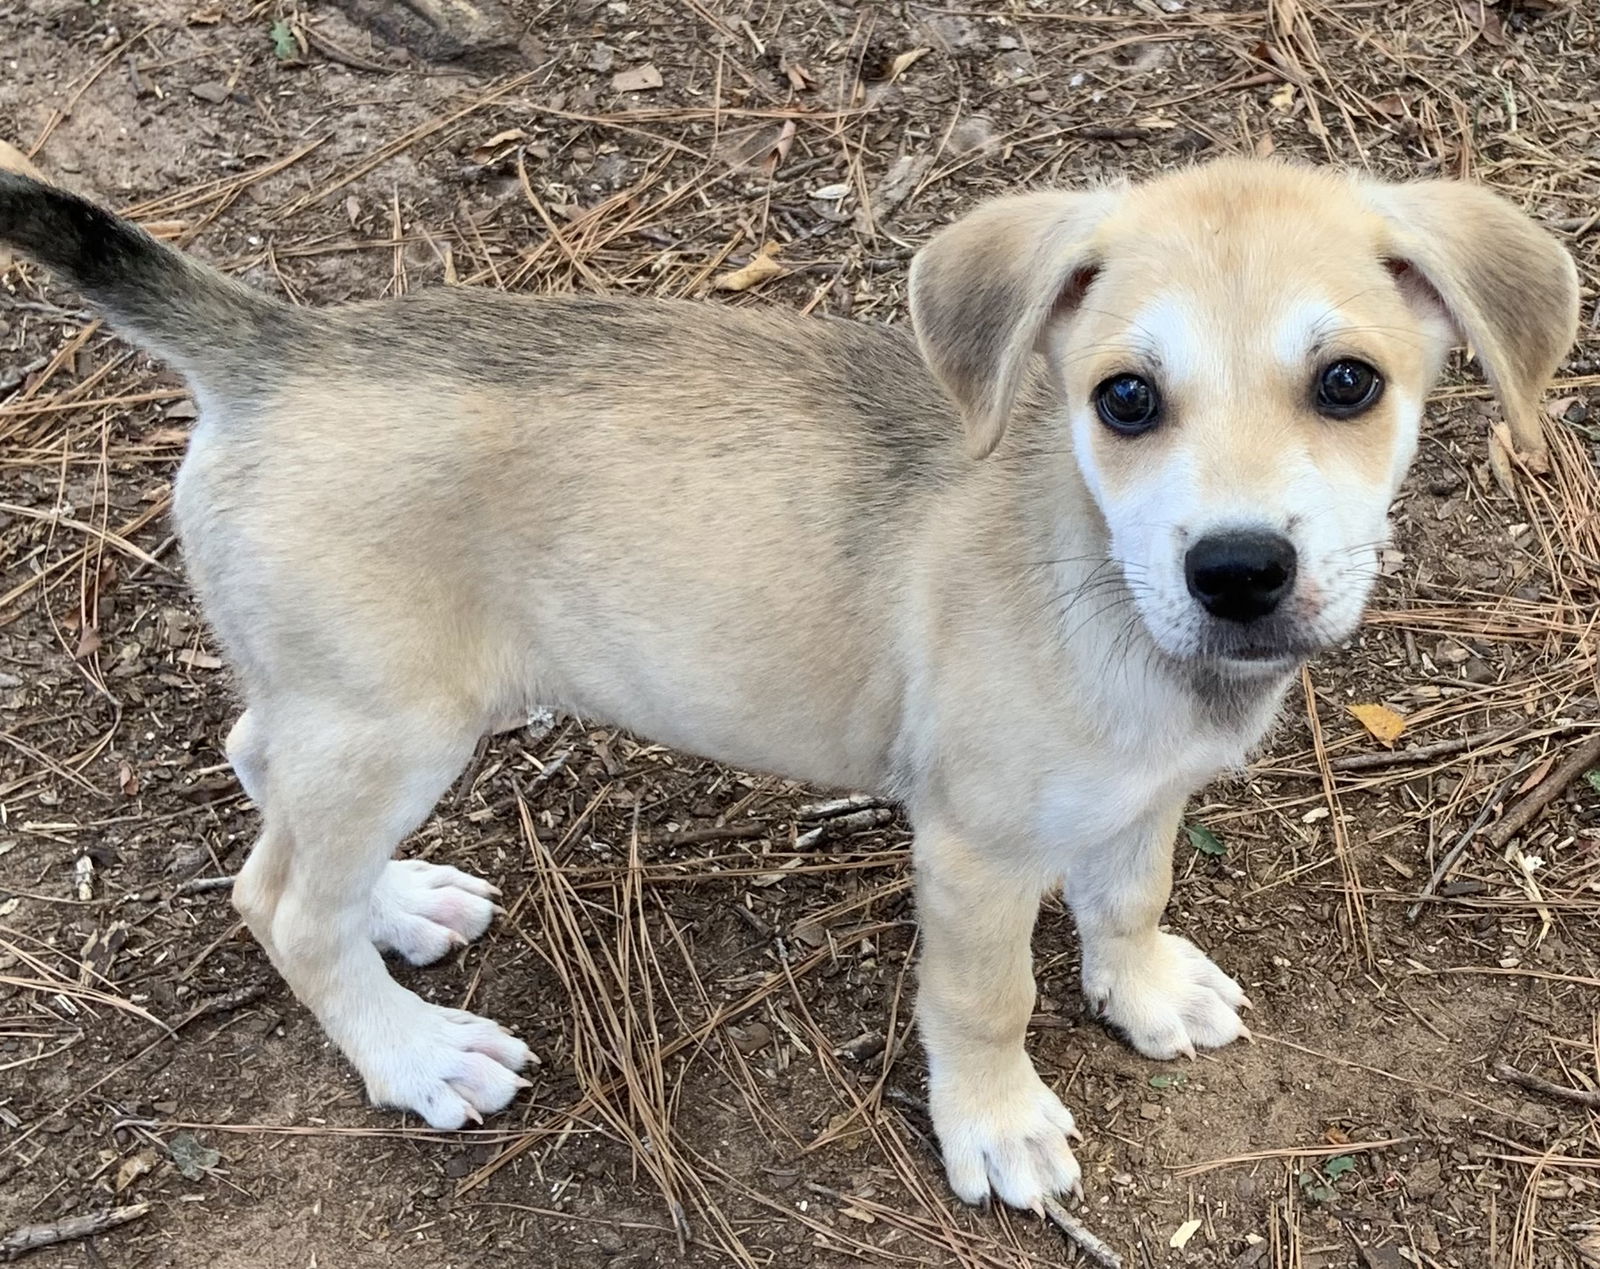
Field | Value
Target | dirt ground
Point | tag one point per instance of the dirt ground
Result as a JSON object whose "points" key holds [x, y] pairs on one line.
{"points": [[714, 969]]}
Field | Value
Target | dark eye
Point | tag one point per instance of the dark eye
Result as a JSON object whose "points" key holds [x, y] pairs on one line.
{"points": [[1128, 404], [1347, 387]]}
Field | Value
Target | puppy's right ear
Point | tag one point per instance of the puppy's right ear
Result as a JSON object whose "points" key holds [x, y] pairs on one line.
{"points": [[985, 290]]}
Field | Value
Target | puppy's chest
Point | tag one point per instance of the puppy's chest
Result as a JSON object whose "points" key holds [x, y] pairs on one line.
{"points": [[1139, 765]]}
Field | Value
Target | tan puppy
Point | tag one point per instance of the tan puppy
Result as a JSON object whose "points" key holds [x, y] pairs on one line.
{"points": [[1186, 409]]}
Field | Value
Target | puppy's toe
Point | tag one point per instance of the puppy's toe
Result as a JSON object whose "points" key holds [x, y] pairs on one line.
{"points": [[1006, 1137], [446, 1065], [1167, 998], [423, 911]]}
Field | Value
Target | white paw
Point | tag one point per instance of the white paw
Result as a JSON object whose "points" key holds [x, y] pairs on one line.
{"points": [[423, 911], [1005, 1133], [1165, 995], [447, 1065]]}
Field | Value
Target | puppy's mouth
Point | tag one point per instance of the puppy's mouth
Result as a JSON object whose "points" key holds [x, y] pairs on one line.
{"points": [[1271, 644]]}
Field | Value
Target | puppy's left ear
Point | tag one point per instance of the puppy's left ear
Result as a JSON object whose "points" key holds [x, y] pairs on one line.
{"points": [[985, 290], [1507, 286]]}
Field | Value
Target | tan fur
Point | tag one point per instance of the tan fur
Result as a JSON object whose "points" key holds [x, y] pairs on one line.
{"points": [[764, 540]]}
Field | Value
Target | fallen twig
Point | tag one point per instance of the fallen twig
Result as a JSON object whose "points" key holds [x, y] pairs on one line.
{"points": [[204, 885], [843, 826], [1079, 1236], [1545, 792], [1447, 861], [27, 1238], [1561, 1092], [1293, 1152], [838, 806], [1423, 753]]}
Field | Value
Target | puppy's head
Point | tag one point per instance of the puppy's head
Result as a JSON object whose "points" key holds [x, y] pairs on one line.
{"points": [[1241, 352]]}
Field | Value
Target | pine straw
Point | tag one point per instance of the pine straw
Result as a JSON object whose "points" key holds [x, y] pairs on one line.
{"points": [[1405, 88]]}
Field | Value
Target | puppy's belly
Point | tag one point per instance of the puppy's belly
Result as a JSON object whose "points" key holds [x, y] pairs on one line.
{"points": [[827, 724]]}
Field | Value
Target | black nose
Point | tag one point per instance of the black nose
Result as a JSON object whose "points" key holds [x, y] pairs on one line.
{"points": [[1240, 576]]}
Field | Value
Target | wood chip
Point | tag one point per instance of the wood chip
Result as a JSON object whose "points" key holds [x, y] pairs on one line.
{"points": [[637, 79]]}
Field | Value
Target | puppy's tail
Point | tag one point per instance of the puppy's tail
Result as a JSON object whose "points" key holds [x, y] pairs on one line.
{"points": [[183, 310]]}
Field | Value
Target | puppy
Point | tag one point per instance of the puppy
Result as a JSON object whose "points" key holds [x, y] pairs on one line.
{"points": [[1038, 573]]}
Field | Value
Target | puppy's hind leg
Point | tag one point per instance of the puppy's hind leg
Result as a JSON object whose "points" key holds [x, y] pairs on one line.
{"points": [[343, 787], [246, 748], [420, 911]]}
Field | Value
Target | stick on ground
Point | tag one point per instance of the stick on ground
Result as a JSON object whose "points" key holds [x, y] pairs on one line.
{"points": [[1579, 1096], [1448, 860], [1080, 1237], [1546, 791], [32, 1237]]}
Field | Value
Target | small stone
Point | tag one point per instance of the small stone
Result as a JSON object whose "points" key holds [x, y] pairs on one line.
{"points": [[751, 1039], [213, 91], [1424, 1180], [972, 135], [1150, 1110]]}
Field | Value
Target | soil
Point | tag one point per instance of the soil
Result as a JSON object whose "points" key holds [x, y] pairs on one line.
{"points": [[722, 1005]]}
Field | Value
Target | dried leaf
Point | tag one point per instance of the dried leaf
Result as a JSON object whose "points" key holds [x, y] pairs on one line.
{"points": [[127, 778], [1385, 725], [1536, 776], [1485, 19], [780, 147], [637, 79], [762, 268], [200, 660], [1184, 1232], [1557, 409], [1283, 98], [904, 62], [496, 147], [1265, 145], [134, 1167]]}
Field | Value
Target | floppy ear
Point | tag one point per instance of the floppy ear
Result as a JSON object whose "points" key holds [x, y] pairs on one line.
{"points": [[984, 290], [1507, 286]]}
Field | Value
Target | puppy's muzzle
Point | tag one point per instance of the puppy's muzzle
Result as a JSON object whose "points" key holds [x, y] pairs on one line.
{"points": [[1241, 577]]}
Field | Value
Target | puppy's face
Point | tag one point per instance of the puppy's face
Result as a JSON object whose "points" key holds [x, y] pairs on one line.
{"points": [[1244, 391], [1240, 353]]}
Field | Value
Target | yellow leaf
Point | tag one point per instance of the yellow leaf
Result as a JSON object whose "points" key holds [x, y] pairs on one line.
{"points": [[762, 268], [1384, 724]]}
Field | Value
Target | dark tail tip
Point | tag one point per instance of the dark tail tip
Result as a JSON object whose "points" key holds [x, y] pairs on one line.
{"points": [[173, 302]]}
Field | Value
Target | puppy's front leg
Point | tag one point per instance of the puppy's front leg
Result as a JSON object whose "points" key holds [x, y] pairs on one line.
{"points": [[1000, 1128], [1160, 990]]}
